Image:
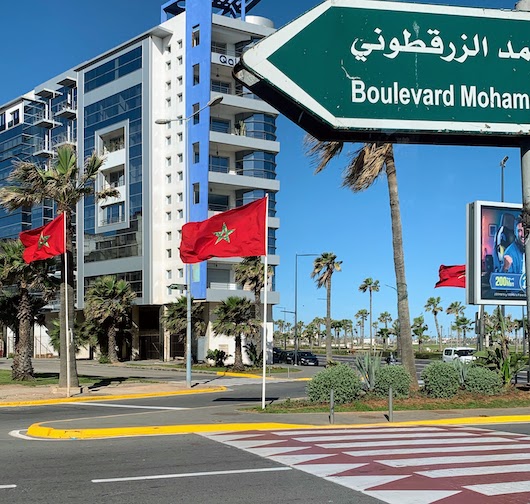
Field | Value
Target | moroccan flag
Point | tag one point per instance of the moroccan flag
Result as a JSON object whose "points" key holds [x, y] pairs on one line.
{"points": [[236, 233], [45, 241], [452, 276]]}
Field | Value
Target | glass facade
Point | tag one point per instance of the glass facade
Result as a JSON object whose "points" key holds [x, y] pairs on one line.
{"points": [[114, 69], [257, 125], [121, 107], [133, 277], [259, 164]]}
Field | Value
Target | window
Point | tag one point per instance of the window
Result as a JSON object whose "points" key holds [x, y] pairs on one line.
{"points": [[179, 157], [179, 60], [168, 161], [168, 216], [179, 44], [168, 236], [196, 74], [114, 213], [180, 197], [180, 273], [179, 80], [217, 202], [113, 141], [168, 253], [181, 214], [179, 97], [256, 125], [219, 125], [195, 36], [179, 135], [179, 233], [168, 85], [219, 164], [180, 175], [168, 102], [115, 178], [218, 47], [168, 125], [169, 275], [168, 48], [2, 121], [196, 115], [196, 193], [168, 178], [196, 153], [168, 65], [168, 140], [168, 199], [220, 86]]}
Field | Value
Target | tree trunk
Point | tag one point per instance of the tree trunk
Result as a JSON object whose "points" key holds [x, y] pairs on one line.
{"points": [[371, 327], [438, 331], [238, 357], [257, 310], [22, 368], [112, 353], [407, 351], [64, 337], [329, 354]]}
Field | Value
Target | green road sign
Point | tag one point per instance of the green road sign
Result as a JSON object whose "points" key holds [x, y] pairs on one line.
{"points": [[365, 69]]}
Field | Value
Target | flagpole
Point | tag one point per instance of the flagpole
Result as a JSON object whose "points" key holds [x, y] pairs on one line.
{"points": [[67, 332], [264, 338]]}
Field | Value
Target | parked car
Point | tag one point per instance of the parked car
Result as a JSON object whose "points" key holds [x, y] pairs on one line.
{"points": [[463, 354], [287, 357], [276, 353], [307, 359]]}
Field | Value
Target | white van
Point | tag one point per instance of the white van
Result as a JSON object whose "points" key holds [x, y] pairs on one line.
{"points": [[463, 354]]}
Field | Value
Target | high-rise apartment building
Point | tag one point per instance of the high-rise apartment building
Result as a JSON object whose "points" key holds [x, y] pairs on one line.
{"points": [[221, 157]]}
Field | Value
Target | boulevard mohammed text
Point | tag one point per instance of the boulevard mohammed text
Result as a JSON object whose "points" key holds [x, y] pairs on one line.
{"points": [[462, 96]]}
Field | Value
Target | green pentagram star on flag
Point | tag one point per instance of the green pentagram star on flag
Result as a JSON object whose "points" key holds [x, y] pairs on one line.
{"points": [[224, 234], [43, 241]]}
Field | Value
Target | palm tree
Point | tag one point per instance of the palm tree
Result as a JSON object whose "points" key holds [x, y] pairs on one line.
{"points": [[347, 325], [463, 324], [457, 309], [63, 182], [336, 325], [235, 318], [28, 277], [175, 318], [109, 304], [418, 328], [250, 273], [363, 168], [361, 316], [433, 304], [385, 318], [371, 286], [318, 321], [323, 268]]}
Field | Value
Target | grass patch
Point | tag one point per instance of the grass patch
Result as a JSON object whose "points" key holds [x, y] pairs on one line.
{"points": [[213, 369], [53, 379], [512, 398]]}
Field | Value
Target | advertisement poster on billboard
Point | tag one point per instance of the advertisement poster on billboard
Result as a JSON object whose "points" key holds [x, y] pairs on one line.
{"points": [[496, 270]]}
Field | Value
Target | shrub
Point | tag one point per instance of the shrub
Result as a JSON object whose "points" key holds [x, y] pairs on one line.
{"points": [[396, 377], [462, 368], [480, 380], [341, 378], [440, 380], [368, 365], [218, 356]]}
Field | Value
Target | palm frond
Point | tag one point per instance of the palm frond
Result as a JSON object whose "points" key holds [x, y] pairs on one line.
{"points": [[365, 166], [321, 152]]}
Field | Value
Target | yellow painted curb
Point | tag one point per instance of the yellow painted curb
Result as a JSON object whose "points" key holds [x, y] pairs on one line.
{"points": [[41, 402], [40, 431], [237, 375]]}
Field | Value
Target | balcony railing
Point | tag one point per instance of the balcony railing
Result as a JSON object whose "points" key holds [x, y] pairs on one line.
{"points": [[112, 220], [224, 286]]}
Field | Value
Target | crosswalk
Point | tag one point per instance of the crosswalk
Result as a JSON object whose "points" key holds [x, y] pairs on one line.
{"points": [[404, 465]]}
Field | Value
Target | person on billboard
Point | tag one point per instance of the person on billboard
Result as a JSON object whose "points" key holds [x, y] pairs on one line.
{"points": [[514, 253]]}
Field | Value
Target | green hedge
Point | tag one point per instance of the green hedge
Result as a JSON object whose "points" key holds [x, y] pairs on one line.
{"points": [[395, 376], [480, 380], [342, 379], [440, 380]]}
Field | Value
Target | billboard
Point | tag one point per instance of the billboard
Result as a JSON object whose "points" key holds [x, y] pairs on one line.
{"points": [[394, 70], [495, 254]]}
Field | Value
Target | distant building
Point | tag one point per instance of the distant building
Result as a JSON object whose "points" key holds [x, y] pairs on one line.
{"points": [[110, 104]]}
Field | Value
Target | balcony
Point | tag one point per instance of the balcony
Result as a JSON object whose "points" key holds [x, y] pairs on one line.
{"points": [[46, 120], [66, 110], [62, 140], [43, 149], [217, 292]]}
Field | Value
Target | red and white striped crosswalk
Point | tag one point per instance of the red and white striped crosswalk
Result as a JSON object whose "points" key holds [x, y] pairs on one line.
{"points": [[404, 465]]}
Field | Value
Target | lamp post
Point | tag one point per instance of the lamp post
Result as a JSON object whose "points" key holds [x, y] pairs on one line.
{"points": [[211, 103], [296, 256]]}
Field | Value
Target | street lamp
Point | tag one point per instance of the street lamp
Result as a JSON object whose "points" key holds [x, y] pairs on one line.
{"points": [[211, 103], [296, 256]]}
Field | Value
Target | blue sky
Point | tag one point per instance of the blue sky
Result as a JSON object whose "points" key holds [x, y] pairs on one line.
{"points": [[317, 215]]}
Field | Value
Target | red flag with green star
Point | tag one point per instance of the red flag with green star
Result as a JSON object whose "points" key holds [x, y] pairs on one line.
{"points": [[240, 232], [45, 241]]}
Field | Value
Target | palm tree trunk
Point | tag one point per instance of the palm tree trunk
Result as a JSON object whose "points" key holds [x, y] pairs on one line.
{"points": [[371, 328], [438, 332], [329, 354], [261, 332], [238, 357], [64, 337], [22, 368], [112, 353], [407, 351]]}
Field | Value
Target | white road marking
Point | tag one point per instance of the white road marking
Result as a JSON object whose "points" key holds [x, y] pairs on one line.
{"points": [[189, 475], [501, 488], [18, 434], [114, 405], [465, 459], [474, 471], [7, 486], [411, 496], [399, 435], [324, 470], [413, 442], [363, 482], [376, 430], [439, 449]]}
